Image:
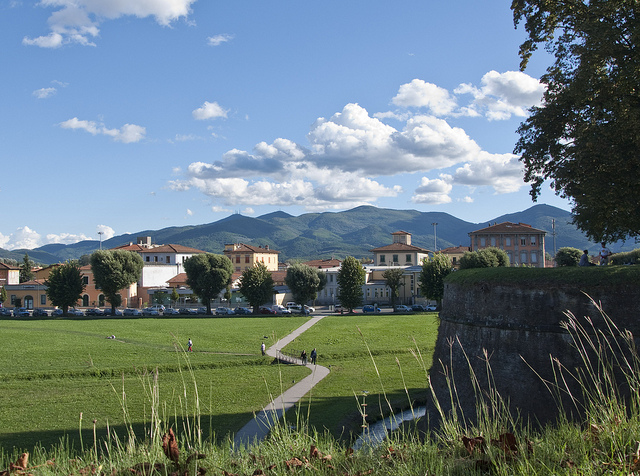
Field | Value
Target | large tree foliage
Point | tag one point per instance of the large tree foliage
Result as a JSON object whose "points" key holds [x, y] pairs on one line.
{"points": [[490, 257], [208, 275], [568, 256], [256, 285], [351, 277], [26, 269], [65, 285], [585, 138], [432, 276], [303, 281], [393, 279], [114, 270]]}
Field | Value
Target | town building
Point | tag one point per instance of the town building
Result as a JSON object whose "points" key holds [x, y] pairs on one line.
{"points": [[399, 253], [523, 244], [455, 253], [9, 274], [246, 256]]}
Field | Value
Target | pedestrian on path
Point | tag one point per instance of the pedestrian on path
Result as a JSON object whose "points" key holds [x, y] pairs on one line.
{"points": [[190, 344], [303, 356], [314, 356], [263, 348]]}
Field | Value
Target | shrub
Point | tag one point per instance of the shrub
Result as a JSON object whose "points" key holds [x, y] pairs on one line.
{"points": [[490, 257], [627, 257], [568, 256]]}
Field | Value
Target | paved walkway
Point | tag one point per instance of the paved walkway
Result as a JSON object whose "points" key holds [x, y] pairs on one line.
{"points": [[259, 427]]}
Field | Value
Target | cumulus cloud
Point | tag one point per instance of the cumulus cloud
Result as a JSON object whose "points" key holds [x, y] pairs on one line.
{"points": [[107, 231], [502, 95], [78, 21], [64, 238], [349, 153], [434, 192], [217, 40], [44, 93], [209, 110], [127, 134]]}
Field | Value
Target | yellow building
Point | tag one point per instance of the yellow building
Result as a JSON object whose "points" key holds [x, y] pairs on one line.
{"points": [[246, 256]]}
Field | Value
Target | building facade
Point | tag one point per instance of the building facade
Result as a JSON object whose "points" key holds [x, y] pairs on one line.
{"points": [[246, 256], [523, 244], [400, 253]]}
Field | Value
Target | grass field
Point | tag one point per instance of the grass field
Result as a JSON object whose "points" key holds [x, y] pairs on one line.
{"points": [[54, 371]]}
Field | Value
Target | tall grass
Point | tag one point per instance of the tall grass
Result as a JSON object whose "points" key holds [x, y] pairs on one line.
{"points": [[605, 441]]}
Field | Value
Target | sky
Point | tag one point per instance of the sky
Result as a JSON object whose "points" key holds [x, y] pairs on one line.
{"points": [[118, 116]]}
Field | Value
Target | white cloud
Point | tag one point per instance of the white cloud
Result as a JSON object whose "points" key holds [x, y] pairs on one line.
{"points": [[502, 95], [189, 212], [419, 93], [107, 231], [248, 211], [217, 40], [128, 133], [23, 237], [64, 238], [209, 110], [349, 153], [434, 192], [77, 21], [44, 93]]}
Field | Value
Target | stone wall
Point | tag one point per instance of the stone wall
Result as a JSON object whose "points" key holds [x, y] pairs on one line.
{"points": [[520, 330]]}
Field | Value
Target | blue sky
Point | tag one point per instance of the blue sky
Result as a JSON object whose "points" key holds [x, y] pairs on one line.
{"points": [[125, 115]]}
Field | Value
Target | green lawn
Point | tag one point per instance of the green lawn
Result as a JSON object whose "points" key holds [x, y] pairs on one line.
{"points": [[52, 371]]}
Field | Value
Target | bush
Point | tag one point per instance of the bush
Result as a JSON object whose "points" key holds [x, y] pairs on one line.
{"points": [[491, 257], [627, 257], [568, 256]]}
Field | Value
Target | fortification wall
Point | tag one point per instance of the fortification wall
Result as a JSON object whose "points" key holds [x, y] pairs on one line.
{"points": [[520, 330]]}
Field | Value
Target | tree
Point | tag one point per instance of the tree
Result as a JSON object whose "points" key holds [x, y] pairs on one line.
{"points": [[585, 138], [393, 279], [175, 297], [490, 257], [3, 295], [65, 285], [26, 269], [568, 256], [303, 281], [351, 277], [208, 274], [114, 270], [432, 276], [256, 285]]}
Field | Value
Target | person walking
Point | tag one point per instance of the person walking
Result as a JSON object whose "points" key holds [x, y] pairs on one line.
{"points": [[314, 356], [190, 344], [263, 348], [303, 356]]}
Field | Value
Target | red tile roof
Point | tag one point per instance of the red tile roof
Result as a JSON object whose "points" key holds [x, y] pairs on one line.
{"points": [[171, 249], [324, 263], [242, 248], [508, 227], [400, 247]]}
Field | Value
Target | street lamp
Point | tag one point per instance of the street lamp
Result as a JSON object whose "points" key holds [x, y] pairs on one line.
{"points": [[435, 245], [101, 233]]}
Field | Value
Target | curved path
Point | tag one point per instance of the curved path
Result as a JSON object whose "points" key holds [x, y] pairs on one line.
{"points": [[259, 427]]}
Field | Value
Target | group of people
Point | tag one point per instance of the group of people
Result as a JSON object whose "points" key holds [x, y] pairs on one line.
{"points": [[313, 355], [603, 255]]}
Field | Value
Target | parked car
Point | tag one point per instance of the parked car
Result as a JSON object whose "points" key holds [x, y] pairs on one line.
{"points": [[370, 308], [75, 312], [158, 307], [294, 307], [418, 308], [188, 311], [242, 310], [337, 308], [5, 311], [309, 309], [430, 307], [107, 312], [202, 310], [280, 309], [132, 312], [21, 312], [223, 311], [56, 312], [95, 312], [150, 311], [40, 312], [171, 311], [402, 308], [267, 310]]}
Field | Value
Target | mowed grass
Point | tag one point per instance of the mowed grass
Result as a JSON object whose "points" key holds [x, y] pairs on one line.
{"points": [[367, 353], [52, 371]]}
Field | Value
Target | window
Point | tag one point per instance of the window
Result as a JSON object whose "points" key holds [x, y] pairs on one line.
{"points": [[407, 258], [13, 299], [43, 299], [483, 242], [533, 239], [534, 257], [523, 257], [383, 258], [493, 241], [523, 240], [454, 260], [148, 258], [247, 259], [238, 259], [168, 259], [85, 280], [507, 241], [155, 259], [395, 259]]}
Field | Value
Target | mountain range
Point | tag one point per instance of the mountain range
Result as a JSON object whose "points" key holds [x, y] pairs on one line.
{"points": [[328, 234]]}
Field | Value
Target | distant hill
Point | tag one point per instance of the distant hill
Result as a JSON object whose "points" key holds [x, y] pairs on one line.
{"points": [[330, 234]]}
